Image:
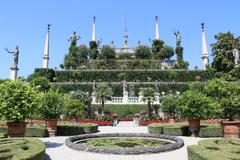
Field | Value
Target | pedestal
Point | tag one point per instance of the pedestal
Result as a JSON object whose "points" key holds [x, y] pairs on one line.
{"points": [[125, 97], [157, 98], [94, 101], [13, 74]]}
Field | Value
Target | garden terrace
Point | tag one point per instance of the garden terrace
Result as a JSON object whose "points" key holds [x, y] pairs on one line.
{"points": [[134, 87], [21, 149], [221, 149], [132, 75]]}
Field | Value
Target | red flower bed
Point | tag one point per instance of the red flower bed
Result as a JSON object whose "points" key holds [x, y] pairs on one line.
{"points": [[125, 119], [145, 123], [99, 122]]}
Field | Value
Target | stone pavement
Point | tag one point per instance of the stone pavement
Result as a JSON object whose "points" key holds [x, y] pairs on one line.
{"points": [[57, 150]]}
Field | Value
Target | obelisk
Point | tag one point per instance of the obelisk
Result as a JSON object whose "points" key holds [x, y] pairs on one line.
{"points": [[46, 49], [157, 37], [205, 59], [94, 29]]}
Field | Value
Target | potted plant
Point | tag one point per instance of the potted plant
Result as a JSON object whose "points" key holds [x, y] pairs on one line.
{"points": [[195, 106], [169, 107], [50, 109], [228, 96], [18, 101]]}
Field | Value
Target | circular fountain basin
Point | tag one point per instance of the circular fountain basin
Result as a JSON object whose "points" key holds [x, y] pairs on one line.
{"points": [[124, 143]]}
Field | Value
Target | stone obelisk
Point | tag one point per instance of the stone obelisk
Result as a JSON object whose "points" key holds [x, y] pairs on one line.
{"points": [[46, 49], [205, 59], [94, 29], [157, 37]]}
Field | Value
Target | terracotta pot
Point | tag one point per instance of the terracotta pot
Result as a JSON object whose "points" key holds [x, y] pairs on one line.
{"points": [[194, 125], [51, 124], [16, 129], [231, 129], [172, 119]]}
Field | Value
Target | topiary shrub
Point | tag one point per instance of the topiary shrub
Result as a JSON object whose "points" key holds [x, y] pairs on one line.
{"points": [[45, 72], [41, 83], [220, 149], [36, 131], [22, 149], [156, 128]]}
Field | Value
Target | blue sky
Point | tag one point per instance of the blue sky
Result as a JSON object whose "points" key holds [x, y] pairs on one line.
{"points": [[24, 23]]}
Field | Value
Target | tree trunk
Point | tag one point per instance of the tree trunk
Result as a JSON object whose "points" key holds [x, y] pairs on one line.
{"points": [[149, 109], [102, 106]]}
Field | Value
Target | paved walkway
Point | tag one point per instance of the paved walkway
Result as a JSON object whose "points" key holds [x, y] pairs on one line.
{"points": [[57, 150]]}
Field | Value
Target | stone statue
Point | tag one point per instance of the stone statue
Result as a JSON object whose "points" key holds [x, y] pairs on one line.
{"points": [[236, 56], [74, 38], [178, 38], [15, 55], [94, 85], [156, 86], [124, 85]]}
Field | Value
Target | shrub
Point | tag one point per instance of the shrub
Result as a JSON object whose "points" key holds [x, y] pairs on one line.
{"points": [[124, 110], [210, 131], [45, 72], [18, 101], [107, 53], [165, 53], [195, 105], [143, 52], [36, 131], [76, 129], [169, 105], [41, 83], [221, 149], [73, 107], [176, 130], [51, 106], [22, 149], [156, 128]]}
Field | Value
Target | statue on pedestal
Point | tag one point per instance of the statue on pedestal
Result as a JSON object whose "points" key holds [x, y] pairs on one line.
{"points": [[15, 55], [124, 85], [236, 56], [74, 38], [178, 38]]}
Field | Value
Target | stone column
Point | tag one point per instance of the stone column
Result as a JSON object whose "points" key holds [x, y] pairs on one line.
{"points": [[46, 49], [157, 37], [94, 29]]}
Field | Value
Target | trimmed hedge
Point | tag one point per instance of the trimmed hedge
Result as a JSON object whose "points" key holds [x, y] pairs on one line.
{"points": [[22, 149], [124, 110], [210, 131], [69, 130], [134, 88], [131, 75], [176, 130], [31, 131], [182, 130], [220, 149]]}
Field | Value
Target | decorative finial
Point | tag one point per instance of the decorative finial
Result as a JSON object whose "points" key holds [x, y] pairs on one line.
{"points": [[156, 18], [94, 19], [139, 43], [49, 25], [202, 24]]}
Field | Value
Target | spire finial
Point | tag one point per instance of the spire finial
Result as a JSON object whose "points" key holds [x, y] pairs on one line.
{"points": [[94, 19], [202, 24], [49, 25], [156, 18]]}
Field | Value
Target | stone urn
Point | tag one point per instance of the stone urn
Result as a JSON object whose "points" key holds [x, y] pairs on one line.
{"points": [[231, 129], [16, 129]]}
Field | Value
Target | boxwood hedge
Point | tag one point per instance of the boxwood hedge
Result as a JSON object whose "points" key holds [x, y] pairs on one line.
{"points": [[212, 149], [21, 149], [206, 130]]}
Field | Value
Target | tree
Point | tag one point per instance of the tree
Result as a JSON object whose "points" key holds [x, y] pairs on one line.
{"points": [[86, 99], [169, 105], [166, 52], [94, 54], [157, 46], [83, 52], [73, 107], [103, 93], [149, 97], [143, 52], [107, 53], [222, 51]]}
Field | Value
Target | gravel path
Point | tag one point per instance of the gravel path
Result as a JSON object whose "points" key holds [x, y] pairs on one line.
{"points": [[57, 150]]}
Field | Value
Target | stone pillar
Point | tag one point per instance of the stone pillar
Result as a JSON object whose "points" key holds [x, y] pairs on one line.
{"points": [[205, 59], [13, 74], [46, 49], [157, 37], [94, 29], [125, 97]]}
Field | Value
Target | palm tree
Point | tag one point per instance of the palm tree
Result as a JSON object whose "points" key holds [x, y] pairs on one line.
{"points": [[149, 97], [103, 92]]}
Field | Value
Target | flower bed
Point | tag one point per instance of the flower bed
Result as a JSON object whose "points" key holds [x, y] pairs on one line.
{"points": [[97, 121]]}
